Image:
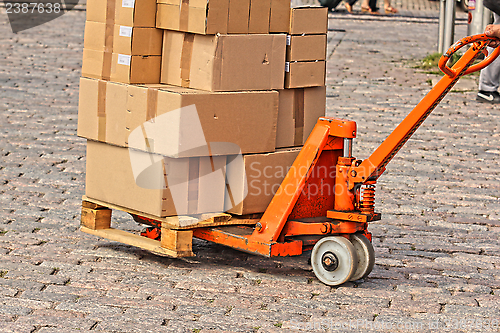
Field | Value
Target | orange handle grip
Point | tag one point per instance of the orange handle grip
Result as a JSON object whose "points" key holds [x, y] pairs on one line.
{"points": [[481, 41]]}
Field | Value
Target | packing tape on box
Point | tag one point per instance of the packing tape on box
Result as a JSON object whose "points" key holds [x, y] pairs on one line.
{"points": [[193, 184], [298, 115], [184, 16], [186, 56], [106, 66], [101, 111], [152, 107], [108, 42]]}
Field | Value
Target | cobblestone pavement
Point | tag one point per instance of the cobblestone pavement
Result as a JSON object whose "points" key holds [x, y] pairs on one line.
{"points": [[437, 246]]}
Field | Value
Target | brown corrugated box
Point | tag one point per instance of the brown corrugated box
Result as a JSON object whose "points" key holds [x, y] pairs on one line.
{"points": [[258, 21], [306, 47], [110, 112], [299, 110], [135, 69], [122, 39], [137, 40], [154, 184], [303, 74], [99, 10], [129, 54], [132, 13], [258, 177], [279, 19], [121, 67], [193, 16], [135, 13], [308, 20], [215, 16], [223, 62]]}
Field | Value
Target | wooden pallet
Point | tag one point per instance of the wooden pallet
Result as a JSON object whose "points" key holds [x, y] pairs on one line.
{"points": [[176, 232]]}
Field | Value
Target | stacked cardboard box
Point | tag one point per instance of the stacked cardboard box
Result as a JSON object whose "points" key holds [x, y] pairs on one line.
{"points": [[121, 42], [186, 104]]}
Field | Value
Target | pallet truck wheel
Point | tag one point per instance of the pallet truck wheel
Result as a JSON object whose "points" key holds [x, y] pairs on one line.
{"points": [[366, 256], [333, 260]]}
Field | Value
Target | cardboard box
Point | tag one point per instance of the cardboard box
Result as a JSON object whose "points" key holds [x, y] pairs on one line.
{"points": [[306, 48], [137, 40], [223, 62], [298, 113], [215, 16], [308, 20], [259, 17], [155, 184], [279, 19], [122, 39], [305, 74], [253, 182], [148, 118], [100, 11], [131, 13], [135, 69], [135, 13], [202, 17], [238, 16], [95, 37], [96, 64]]}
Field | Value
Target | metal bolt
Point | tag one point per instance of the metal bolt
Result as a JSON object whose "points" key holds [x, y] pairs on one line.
{"points": [[330, 261], [259, 227]]}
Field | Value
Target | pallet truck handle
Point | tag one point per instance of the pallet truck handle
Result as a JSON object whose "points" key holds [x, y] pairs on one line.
{"points": [[452, 72]]}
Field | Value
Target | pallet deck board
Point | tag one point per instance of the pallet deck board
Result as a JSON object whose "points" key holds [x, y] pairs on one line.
{"points": [[129, 238], [181, 222]]}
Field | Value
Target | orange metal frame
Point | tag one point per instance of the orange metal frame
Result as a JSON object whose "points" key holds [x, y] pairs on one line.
{"points": [[312, 203]]}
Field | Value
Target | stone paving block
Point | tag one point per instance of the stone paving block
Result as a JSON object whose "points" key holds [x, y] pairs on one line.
{"points": [[92, 310], [16, 328], [130, 326]]}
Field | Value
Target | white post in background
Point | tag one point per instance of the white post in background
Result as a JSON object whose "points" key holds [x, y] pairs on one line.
{"points": [[479, 17], [449, 25], [441, 25]]}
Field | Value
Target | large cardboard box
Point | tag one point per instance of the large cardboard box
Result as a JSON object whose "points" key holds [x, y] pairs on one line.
{"points": [[306, 47], [303, 74], [308, 20], [176, 121], [279, 18], [299, 110], [254, 181], [223, 62], [155, 184]]}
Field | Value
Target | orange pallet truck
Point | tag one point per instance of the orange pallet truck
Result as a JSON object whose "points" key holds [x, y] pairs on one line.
{"points": [[329, 212], [327, 198]]}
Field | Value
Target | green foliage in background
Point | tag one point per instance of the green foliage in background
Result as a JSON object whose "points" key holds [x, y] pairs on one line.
{"points": [[430, 62]]}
